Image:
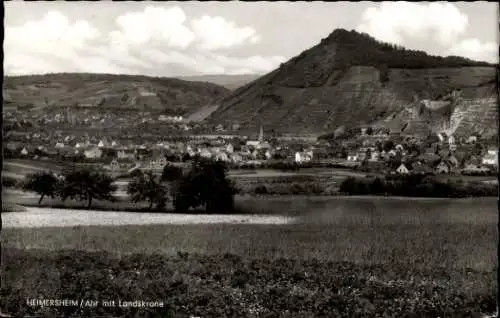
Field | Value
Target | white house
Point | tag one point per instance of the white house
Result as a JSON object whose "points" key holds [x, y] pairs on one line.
{"points": [[303, 157], [93, 153], [451, 140], [253, 143], [491, 158], [230, 148], [402, 169], [59, 145], [236, 157], [24, 152], [375, 156], [268, 154], [122, 154], [102, 144], [352, 157], [114, 143], [205, 153]]}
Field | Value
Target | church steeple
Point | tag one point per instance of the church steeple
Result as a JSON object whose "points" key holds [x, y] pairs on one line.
{"points": [[261, 135]]}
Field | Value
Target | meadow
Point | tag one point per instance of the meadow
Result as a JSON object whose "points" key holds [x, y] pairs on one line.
{"points": [[356, 257]]}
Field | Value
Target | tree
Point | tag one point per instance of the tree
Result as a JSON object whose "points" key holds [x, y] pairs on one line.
{"points": [[376, 186], [205, 185], [186, 157], [146, 188], [44, 183], [171, 173], [478, 149], [368, 154], [344, 153], [388, 145], [87, 185]]}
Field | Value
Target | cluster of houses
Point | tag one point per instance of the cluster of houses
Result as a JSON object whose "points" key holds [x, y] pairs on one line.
{"points": [[114, 155], [120, 154], [443, 162]]}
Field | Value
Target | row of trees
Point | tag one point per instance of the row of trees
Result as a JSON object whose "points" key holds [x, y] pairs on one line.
{"points": [[83, 185], [204, 185], [416, 186]]}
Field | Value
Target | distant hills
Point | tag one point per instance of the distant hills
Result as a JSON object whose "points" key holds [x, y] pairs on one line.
{"points": [[350, 79], [104, 91], [231, 82]]}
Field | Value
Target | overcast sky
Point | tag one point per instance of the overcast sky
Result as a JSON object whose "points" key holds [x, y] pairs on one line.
{"points": [[191, 38]]}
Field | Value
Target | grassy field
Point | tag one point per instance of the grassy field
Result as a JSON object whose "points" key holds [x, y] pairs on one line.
{"points": [[346, 257]]}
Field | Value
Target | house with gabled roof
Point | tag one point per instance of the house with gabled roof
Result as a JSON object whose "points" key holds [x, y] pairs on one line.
{"points": [[444, 166], [402, 169], [24, 151]]}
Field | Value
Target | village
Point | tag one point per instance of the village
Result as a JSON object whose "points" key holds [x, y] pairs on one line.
{"points": [[368, 150]]}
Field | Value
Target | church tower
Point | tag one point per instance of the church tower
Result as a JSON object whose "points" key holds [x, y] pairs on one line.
{"points": [[261, 135]]}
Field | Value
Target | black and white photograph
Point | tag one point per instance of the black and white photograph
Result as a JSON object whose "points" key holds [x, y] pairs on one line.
{"points": [[249, 159]]}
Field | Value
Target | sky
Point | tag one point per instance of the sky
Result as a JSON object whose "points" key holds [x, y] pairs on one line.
{"points": [[196, 38]]}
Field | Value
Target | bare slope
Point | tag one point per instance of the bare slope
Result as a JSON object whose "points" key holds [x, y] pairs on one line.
{"points": [[350, 79], [110, 91]]}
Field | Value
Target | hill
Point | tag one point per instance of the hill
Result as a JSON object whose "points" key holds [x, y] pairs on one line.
{"points": [[230, 82], [104, 91], [351, 79]]}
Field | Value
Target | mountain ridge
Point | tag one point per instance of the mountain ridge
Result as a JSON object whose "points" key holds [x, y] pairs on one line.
{"points": [[140, 92]]}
